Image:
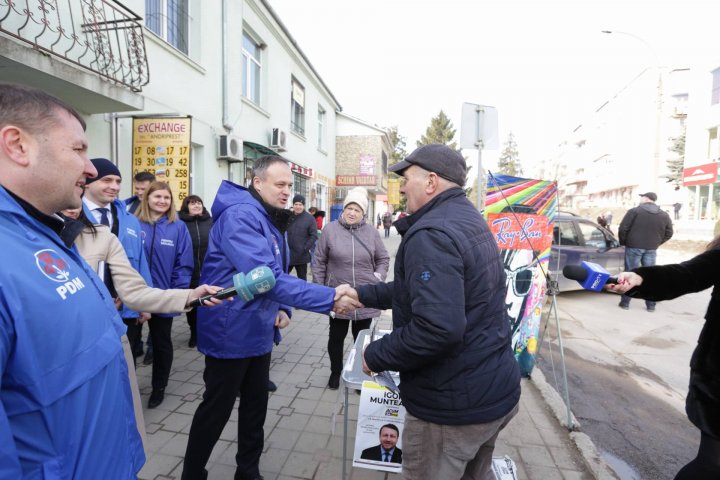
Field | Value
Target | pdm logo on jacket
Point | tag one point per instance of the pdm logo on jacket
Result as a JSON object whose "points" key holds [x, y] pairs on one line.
{"points": [[56, 268]]}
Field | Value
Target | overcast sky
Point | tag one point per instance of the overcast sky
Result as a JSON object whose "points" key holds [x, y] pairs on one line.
{"points": [[543, 64]]}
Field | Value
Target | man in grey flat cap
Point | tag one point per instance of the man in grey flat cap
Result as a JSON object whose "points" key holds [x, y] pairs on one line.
{"points": [[459, 380]]}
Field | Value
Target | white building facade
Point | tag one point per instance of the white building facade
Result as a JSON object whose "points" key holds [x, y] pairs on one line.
{"points": [[623, 148], [231, 66], [362, 152], [702, 147]]}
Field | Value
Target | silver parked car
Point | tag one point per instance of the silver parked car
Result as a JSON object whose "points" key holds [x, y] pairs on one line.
{"points": [[577, 239]]}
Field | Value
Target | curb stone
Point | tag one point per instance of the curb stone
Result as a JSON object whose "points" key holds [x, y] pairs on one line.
{"points": [[589, 452]]}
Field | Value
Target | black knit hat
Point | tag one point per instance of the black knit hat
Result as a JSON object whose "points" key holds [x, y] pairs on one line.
{"points": [[104, 168], [299, 198]]}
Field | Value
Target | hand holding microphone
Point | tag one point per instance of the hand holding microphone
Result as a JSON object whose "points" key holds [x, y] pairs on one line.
{"points": [[204, 291], [591, 276], [257, 281], [626, 281]]}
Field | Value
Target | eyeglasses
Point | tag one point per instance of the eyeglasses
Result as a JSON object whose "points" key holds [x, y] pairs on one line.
{"points": [[521, 279]]}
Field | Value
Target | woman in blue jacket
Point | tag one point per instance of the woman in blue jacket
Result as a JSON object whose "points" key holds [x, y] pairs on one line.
{"points": [[168, 249]]}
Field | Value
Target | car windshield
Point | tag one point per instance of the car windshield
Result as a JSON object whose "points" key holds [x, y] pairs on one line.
{"points": [[593, 236], [564, 233]]}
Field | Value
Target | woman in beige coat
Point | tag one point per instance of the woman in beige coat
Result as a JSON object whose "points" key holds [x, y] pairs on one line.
{"points": [[349, 251], [96, 243]]}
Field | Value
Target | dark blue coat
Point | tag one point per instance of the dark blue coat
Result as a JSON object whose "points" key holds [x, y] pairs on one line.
{"points": [[199, 228], [302, 233], [450, 339], [242, 238]]}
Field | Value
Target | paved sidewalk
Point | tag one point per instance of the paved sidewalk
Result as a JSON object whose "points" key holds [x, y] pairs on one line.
{"points": [[304, 426]]}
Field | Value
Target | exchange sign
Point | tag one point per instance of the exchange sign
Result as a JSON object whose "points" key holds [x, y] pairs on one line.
{"points": [[161, 146]]}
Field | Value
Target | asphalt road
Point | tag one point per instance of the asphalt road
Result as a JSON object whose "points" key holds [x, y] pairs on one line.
{"points": [[628, 374]]}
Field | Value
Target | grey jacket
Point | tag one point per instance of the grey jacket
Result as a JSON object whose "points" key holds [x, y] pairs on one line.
{"points": [[340, 257]]}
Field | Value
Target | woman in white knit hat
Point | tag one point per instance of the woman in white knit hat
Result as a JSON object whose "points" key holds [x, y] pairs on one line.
{"points": [[349, 251]]}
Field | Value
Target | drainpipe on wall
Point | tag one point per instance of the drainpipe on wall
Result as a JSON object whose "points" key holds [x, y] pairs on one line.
{"points": [[225, 61], [113, 137]]}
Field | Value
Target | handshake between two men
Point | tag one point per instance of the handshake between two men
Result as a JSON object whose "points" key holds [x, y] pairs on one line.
{"points": [[346, 299]]}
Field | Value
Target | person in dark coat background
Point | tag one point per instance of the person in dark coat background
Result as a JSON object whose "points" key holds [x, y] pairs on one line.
{"points": [[302, 233], [665, 282], [642, 230], [199, 222], [387, 223]]}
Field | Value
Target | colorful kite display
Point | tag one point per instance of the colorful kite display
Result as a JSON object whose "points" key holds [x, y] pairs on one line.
{"points": [[521, 213]]}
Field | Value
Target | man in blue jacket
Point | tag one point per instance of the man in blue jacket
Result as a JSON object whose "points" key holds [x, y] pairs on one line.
{"points": [[450, 341], [65, 402], [237, 337], [102, 206], [141, 182]]}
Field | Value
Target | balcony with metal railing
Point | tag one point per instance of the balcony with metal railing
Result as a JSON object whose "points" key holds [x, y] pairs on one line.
{"points": [[102, 36]]}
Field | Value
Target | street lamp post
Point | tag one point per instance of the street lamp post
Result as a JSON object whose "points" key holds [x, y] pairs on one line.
{"points": [[658, 102]]}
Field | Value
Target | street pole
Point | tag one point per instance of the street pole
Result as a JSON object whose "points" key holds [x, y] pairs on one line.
{"points": [[478, 129], [480, 202]]}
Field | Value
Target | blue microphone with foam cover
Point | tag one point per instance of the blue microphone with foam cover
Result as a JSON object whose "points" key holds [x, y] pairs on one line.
{"points": [[246, 285], [591, 276]]}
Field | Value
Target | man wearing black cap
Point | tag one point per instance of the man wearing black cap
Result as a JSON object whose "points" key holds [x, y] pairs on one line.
{"points": [[642, 230], [450, 340], [102, 206], [141, 182], [302, 234]]}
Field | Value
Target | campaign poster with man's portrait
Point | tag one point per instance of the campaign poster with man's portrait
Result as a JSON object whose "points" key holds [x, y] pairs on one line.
{"points": [[378, 439]]}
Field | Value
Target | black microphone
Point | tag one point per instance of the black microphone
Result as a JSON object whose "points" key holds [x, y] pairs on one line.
{"points": [[256, 281], [591, 276]]}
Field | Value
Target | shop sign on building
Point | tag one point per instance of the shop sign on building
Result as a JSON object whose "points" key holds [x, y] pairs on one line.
{"points": [[700, 174], [355, 180], [300, 170]]}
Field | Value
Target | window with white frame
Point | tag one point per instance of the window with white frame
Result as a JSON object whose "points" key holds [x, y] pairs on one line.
{"points": [[169, 19], [715, 98], [713, 153], [297, 107], [251, 69], [321, 196], [321, 128]]}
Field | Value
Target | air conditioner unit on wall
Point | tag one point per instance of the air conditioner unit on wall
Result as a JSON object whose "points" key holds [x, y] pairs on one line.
{"points": [[278, 140], [230, 148]]}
